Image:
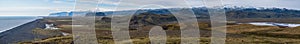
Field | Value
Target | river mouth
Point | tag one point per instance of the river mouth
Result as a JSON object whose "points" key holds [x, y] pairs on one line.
{"points": [[272, 24]]}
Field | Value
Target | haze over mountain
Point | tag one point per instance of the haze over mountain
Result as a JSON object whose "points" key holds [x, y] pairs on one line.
{"points": [[202, 12]]}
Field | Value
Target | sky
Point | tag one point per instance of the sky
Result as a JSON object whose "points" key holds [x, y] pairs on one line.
{"points": [[45, 7]]}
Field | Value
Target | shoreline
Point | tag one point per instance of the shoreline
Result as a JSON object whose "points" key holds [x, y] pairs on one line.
{"points": [[18, 25], [22, 32]]}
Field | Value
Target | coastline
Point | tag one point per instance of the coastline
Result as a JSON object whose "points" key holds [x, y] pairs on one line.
{"points": [[22, 32], [22, 23]]}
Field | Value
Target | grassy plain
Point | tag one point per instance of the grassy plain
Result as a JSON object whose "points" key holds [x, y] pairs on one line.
{"points": [[236, 33]]}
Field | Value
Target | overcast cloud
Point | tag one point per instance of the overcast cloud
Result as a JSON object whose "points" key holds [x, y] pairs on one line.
{"points": [[44, 7], [135, 4]]}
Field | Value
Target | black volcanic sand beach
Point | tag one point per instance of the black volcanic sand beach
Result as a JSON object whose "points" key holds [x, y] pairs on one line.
{"points": [[22, 33]]}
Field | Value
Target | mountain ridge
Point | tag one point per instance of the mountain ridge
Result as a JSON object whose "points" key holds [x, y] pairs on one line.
{"points": [[202, 12]]}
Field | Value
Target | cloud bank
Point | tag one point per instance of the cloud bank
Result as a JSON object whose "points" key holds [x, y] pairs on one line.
{"points": [[44, 7], [135, 4]]}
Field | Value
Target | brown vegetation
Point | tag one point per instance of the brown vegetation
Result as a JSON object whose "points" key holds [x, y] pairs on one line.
{"points": [[236, 33]]}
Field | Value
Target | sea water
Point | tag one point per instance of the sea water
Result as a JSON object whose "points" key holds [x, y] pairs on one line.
{"points": [[9, 22]]}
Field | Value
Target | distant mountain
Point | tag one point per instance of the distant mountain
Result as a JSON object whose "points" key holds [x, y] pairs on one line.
{"points": [[146, 17], [202, 12], [262, 13], [74, 13], [95, 14], [59, 14]]}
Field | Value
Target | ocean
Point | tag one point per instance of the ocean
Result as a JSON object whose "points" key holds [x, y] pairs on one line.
{"points": [[9, 22]]}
